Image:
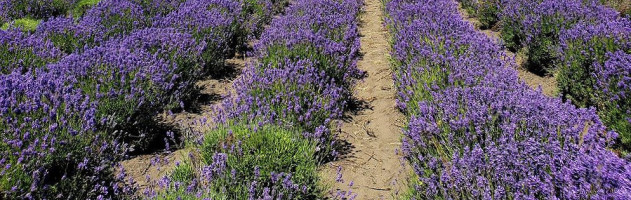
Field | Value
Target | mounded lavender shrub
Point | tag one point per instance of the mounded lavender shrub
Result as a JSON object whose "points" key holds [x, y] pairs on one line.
{"points": [[22, 52], [476, 132], [486, 142], [66, 35], [69, 111], [328, 36], [613, 87], [51, 147], [131, 85], [585, 50], [208, 21], [297, 97], [238, 162], [181, 50], [584, 45], [37, 9], [158, 8], [298, 90], [113, 18], [536, 25], [487, 11]]}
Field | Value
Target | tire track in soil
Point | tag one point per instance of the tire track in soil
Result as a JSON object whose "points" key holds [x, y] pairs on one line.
{"points": [[373, 131], [548, 83]]}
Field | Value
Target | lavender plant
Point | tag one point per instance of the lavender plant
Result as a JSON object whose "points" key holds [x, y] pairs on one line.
{"points": [[51, 147], [487, 11], [583, 46], [241, 163], [66, 35], [209, 22], [326, 36], [22, 52], [612, 86], [85, 86], [585, 49], [536, 25], [476, 132], [281, 111], [113, 18], [37, 9]]}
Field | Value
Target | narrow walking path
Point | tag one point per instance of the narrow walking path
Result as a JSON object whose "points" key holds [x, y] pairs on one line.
{"points": [[548, 83], [149, 168], [374, 130]]}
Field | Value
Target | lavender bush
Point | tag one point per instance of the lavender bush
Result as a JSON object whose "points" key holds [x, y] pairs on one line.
{"points": [[583, 46], [209, 21], [585, 49], [487, 11], [50, 147], [284, 106], [22, 52], [113, 18], [37, 9], [567, 39], [76, 90], [536, 25], [476, 132], [241, 163], [613, 78], [325, 36]]}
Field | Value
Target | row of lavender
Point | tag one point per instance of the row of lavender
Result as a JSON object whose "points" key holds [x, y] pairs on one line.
{"points": [[77, 86], [16, 9], [585, 44], [476, 132], [276, 127]]}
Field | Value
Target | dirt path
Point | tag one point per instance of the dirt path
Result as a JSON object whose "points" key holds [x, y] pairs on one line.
{"points": [[195, 120], [373, 131], [548, 83]]}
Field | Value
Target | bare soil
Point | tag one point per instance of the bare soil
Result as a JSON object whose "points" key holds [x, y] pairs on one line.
{"points": [[145, 170], [373, 129], [547, 83]]}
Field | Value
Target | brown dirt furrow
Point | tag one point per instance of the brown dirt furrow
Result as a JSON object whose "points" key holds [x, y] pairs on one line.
{"points": [[147, 169], [373, 129]]}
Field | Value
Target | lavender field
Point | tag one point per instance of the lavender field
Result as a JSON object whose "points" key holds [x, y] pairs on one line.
{"points": [[315, 99]]}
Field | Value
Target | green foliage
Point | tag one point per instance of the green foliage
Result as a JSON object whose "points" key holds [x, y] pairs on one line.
{"points": [[60, 172], [25, 24], [512, 35], [38, 9], [615, 115], [575, 74], [82, 6], [278, 55], [70, 42], [270, 149], [488, 12], [542, 53]]}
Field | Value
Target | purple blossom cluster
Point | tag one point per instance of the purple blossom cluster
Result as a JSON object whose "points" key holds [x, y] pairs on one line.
{"points": [[15, 9], [306, 61], [20, 51], [536, 25], [569, 39], [77, 92], [476, 132], [586, 48], [613, 86], [300, 82]]}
